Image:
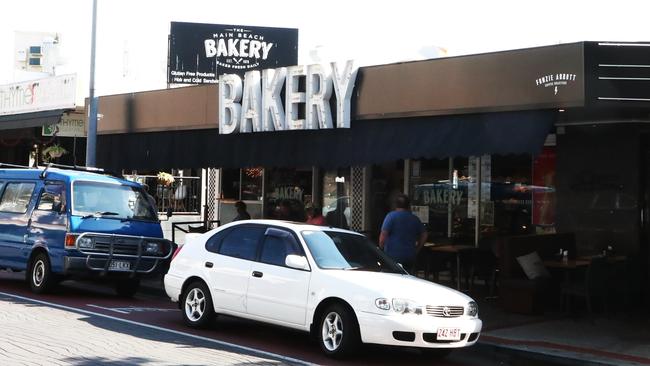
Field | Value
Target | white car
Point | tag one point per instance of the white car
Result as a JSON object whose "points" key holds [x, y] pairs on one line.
{"points": [[333, 283]]}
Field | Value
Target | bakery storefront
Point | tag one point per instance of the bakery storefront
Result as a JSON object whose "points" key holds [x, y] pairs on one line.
{"points": [[532, 141]]}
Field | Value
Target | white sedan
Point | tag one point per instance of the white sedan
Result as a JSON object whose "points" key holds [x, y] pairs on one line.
{"points": [[333, 283]]}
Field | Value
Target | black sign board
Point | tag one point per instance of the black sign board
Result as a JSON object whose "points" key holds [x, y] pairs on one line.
{"points": [[199, 53]]}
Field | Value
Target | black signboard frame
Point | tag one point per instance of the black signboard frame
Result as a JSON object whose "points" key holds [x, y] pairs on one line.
{"points": [[198, 53]]}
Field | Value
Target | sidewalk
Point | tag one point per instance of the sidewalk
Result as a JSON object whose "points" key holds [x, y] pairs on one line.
{"points": [[619, 339]]}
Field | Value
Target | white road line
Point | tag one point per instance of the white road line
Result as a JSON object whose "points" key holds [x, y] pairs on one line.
{"points": [[206, 339], [109, 309]]}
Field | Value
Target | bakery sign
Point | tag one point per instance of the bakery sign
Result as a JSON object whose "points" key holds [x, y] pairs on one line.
{"points": [[555, 81], [256, 104], [199, 53]]}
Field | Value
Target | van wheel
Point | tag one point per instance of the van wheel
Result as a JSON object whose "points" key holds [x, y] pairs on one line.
{"points": [[197, 308], [40, 275], [127, 288], [338, 333]]}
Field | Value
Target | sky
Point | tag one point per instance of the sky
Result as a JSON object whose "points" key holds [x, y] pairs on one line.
{"points": [[132, 34]]}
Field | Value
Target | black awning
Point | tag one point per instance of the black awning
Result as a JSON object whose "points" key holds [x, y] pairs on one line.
{"points": [[29, 120], [367, 142]]}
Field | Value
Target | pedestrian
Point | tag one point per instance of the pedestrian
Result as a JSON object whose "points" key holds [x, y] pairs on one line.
{"points": [[315, 216], [242, 214], [402, 234]]}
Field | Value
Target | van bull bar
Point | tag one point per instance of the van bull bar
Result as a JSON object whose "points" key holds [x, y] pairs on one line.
{"points": [[120, 253]]}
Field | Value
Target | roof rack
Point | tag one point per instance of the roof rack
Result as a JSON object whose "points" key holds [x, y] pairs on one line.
{"points": [[89, 169], [15, 166]]}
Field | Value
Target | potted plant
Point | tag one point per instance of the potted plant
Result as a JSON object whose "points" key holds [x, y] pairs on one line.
{"points": [[53, 152], [165, 179]]}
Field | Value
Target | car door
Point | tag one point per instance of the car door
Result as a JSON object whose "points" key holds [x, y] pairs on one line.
{"points": [[48, 223], [16, 204], [275, 291], [228, 266]]}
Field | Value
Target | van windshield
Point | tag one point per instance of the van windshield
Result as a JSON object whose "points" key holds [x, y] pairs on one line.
{"points": [[111, 201]]}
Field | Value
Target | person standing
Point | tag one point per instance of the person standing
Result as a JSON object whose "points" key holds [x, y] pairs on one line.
{"points": [[242, 214], [402, 234], [315, 216]]}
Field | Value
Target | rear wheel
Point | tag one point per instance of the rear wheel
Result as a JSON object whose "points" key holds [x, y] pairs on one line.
{"points": [[338, 333], [197, 307], [40, 275], [127, 288]]}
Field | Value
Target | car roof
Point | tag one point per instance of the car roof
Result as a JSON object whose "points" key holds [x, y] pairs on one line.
{"points": [[61, 174], [293, 225]]}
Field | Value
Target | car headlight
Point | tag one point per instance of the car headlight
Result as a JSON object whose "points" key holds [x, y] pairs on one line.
{"points": [[383, 304], [85, 243], [152, 248], [472, 309], [404, 306]]}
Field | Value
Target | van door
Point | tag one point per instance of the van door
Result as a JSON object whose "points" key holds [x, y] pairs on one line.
{"points": [[16, 204], [48, 224]]}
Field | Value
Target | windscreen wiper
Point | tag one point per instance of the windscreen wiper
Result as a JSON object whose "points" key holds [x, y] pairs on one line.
{"points": [[100, 214]]}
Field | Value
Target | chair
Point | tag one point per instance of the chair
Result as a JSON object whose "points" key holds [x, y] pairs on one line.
{"points": [[596, 284], [483, 265]]}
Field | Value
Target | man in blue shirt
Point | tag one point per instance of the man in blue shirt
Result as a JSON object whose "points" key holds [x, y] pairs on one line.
{"points": [[402, 233]]}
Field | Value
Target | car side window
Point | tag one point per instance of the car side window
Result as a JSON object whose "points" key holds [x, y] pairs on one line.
{"points": [[16, 197], [276, 248], [212, 245], [241, 242], [52, 197]]}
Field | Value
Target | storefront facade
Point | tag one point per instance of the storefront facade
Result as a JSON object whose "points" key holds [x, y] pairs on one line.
{"points": [[540, 140]]}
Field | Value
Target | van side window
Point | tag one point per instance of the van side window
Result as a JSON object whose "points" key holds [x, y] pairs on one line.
{"points": [[16, 197], [52, 198]]}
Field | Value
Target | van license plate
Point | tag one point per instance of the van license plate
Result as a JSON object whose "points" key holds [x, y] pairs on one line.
{"points": [[119, 266], [448, 334]]}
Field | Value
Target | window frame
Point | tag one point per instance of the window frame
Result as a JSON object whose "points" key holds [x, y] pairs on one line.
{"points": [[296, 239]]}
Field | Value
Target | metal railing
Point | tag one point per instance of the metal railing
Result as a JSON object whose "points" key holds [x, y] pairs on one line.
{"points": [[182, 196], [203, 227]]}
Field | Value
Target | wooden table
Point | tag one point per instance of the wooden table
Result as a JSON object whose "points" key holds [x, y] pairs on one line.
{"points": [[453, 249]]}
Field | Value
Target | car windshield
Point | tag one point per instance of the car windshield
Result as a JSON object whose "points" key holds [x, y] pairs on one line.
{"points": [[340, 250], [112, 201]]}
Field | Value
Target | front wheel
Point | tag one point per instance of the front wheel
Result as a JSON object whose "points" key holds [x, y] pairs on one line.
{"points": [[338, 334], [40, 275], [198, 311]]}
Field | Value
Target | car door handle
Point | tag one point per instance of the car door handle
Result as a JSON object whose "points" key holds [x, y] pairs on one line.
{"points": [[209, 264], [257, 274]]}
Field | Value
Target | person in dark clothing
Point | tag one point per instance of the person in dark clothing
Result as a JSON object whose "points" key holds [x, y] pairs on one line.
{"points": [[242, 214], [402, 234]]}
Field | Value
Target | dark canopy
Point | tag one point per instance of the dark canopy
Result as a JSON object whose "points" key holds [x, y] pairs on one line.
{"points": [[366, 142], [32, 119]]}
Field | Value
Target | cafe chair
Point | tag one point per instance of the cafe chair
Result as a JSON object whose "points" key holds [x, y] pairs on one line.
{"points": [[595, 284], [483, 266]]}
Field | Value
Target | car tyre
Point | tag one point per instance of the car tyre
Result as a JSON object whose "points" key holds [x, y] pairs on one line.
{"points": [[127, 288], [338, 331], [40, 277], [197, 307]]}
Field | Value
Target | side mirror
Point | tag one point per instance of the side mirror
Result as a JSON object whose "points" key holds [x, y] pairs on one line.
{"points": [[297, 262]]}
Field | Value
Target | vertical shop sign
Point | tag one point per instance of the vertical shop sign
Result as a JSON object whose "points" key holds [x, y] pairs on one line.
{"points": [[472, 187]]}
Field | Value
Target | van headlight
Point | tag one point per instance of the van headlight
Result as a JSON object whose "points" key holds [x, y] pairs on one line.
{"points": [[85, 243], [472, 309], [152, 248]]}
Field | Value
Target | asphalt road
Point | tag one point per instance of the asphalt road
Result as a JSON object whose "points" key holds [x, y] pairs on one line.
{"points": [[69, 327]]}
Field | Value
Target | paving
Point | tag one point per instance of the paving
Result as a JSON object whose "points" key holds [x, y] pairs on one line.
{"points": [[34, 334]]}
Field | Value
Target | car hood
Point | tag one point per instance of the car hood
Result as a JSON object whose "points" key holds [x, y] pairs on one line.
{"points": [[115, 226], [392, 285]]}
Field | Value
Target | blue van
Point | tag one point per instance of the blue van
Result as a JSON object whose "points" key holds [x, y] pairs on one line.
{"points": [[63, 223]]}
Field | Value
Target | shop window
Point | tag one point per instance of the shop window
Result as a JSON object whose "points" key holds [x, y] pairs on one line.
{"points": [[432, 194], [509, 209], [241, 185], [288, 192], [336, 197]]}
